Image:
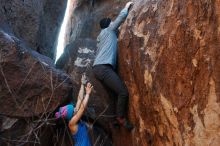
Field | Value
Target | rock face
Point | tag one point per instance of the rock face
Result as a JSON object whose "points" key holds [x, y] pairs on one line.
{"points": [[26, 76], [31, 89], [86, 15], [170, 60], [35, 22], [168, 57]]}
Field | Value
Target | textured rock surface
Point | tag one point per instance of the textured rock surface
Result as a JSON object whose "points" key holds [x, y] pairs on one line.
{"points": [[170, 60], [35, 22], [31, 89], [30, 83]]}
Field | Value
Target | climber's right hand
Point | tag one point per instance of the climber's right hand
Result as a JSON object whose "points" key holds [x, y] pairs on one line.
{"points": [[128, 5]]}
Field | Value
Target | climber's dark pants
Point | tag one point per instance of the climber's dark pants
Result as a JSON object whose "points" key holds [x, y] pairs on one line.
{"points": [[109, 78]]}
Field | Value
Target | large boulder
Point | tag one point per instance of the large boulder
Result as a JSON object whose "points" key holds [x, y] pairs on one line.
{"points": [[30, 84], [169, 57], [37, 23], [31, 89]]}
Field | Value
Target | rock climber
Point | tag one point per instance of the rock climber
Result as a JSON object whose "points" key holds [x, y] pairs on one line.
{"points": [[105, 64], [78, 128]]}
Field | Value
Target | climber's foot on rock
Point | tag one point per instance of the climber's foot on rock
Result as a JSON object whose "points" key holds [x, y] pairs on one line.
{"points": [[115, 124], [125, 123]]}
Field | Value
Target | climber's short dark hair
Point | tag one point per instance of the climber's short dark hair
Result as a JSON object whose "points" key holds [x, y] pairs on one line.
{"points": [[104, 23]]}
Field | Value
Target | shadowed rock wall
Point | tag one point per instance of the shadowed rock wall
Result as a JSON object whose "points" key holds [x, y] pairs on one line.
{"points": [[31, 89], [36, 22]]}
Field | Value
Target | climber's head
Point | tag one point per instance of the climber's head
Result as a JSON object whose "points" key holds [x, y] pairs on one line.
{"points": [[104, 23], [65, 112]]}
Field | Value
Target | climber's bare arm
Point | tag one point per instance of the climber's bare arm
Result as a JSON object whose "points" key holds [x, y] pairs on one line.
{"points": [[81, 92], [121, 17], [80, 97], [77, 115]]}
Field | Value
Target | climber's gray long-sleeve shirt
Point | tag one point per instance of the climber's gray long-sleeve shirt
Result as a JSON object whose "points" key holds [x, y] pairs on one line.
{"points": [[108, 41]]}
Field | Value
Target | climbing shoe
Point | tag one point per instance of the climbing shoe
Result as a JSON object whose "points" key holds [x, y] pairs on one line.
{"points": [[125, 123], [115, 124]]}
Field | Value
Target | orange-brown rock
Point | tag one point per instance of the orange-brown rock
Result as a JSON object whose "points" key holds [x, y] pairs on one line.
{"points": [[169, 57]]}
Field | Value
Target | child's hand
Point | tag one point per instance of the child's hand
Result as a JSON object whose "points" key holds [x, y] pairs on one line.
{"points": [[89, 88], [83, 79]]}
